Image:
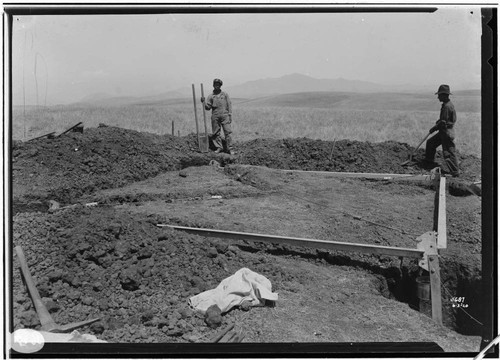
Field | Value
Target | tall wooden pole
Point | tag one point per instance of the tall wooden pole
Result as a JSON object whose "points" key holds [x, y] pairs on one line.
{"points": [[204, 115], [196, 117]]}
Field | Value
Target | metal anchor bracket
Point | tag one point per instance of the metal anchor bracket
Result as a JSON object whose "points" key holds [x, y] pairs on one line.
{"points": [[427, 243]]}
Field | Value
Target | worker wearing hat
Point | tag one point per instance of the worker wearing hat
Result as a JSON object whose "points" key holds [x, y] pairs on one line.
{"points": [[220, 104], [446, 134]]}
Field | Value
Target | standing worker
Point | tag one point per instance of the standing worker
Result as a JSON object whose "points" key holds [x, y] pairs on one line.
{"points": [[446, 135], [220, 104]]}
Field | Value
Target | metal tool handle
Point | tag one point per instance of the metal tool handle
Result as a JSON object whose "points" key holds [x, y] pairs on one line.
{"points": [[425, 138], [41, 136], [204, 115], [71, 128], [43, 314]]}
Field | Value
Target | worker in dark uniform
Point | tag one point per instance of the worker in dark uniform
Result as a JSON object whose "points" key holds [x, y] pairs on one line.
{"points": [[446, 134], [220, 104]]}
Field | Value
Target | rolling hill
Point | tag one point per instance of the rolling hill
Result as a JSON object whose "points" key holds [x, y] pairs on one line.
{"points": [[296, 90], [467, 101]]}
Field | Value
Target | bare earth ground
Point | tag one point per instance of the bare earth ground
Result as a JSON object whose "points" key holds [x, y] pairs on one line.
{"points": [[113, 261]]}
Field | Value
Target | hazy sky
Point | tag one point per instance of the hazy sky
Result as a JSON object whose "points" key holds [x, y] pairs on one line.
{"points": [[63, 58]]}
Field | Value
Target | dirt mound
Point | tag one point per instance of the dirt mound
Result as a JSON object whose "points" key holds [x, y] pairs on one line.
{"points": [[67, 167], [109, 264], [343, 155], [76, 164]]}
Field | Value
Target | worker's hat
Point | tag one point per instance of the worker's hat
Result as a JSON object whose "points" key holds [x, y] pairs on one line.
{"points": [[444, 89], [218, 81]]}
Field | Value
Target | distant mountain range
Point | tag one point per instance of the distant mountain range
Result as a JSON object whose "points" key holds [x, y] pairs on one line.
{"points": [[293, 83]]}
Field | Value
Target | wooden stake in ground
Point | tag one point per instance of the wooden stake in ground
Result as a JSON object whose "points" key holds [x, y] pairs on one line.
{"points": [[196, 117], [202, 145], [204, 117]]}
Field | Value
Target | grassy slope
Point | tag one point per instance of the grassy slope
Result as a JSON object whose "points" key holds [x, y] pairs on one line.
{"points": [[318, 115]]}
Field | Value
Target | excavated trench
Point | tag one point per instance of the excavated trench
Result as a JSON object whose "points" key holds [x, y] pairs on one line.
{"points": [[66, 169]]}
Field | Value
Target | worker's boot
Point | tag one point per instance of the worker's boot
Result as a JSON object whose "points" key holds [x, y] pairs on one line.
{"points": [[429, 164]]}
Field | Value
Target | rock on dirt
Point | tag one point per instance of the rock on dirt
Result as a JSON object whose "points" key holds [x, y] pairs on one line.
{"points": [[213, 317]]}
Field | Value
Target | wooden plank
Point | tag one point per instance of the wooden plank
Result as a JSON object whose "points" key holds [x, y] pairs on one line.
{"points": [[435, 279], [441, 215], [219, 335], [312, 243], [196, 118]]}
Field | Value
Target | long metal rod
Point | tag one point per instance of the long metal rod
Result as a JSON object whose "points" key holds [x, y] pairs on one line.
{"points": [[312, 243], [409, 177]]}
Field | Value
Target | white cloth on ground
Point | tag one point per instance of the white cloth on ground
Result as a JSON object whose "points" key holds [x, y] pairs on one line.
{"points": [[243, 285]]}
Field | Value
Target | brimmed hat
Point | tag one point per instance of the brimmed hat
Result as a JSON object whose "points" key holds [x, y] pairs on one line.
{"points": [[444, 89], [218, 81]]}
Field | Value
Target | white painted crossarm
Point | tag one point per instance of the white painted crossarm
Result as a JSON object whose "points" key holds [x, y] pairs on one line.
{"points": [[441, 220]]}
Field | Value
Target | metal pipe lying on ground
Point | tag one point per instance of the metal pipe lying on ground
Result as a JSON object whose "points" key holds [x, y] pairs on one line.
{"points": [[312, 243]]}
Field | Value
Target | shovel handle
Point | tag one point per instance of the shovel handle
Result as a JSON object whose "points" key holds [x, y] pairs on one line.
{"points": [[418, 146], [425, 138], [43, 314]]}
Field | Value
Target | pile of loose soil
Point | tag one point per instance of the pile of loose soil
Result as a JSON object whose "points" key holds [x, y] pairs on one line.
{"points": [[136, 273], [75, 164]]}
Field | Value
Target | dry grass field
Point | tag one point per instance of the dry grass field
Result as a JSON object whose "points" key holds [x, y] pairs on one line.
{"points": [[319, 115]]}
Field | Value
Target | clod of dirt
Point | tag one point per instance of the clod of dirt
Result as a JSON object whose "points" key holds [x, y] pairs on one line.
{"points": [[458, 188], [212, 252], [52, 306], [130, 279], [197, 282], [246, 305], [213, 317]]}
